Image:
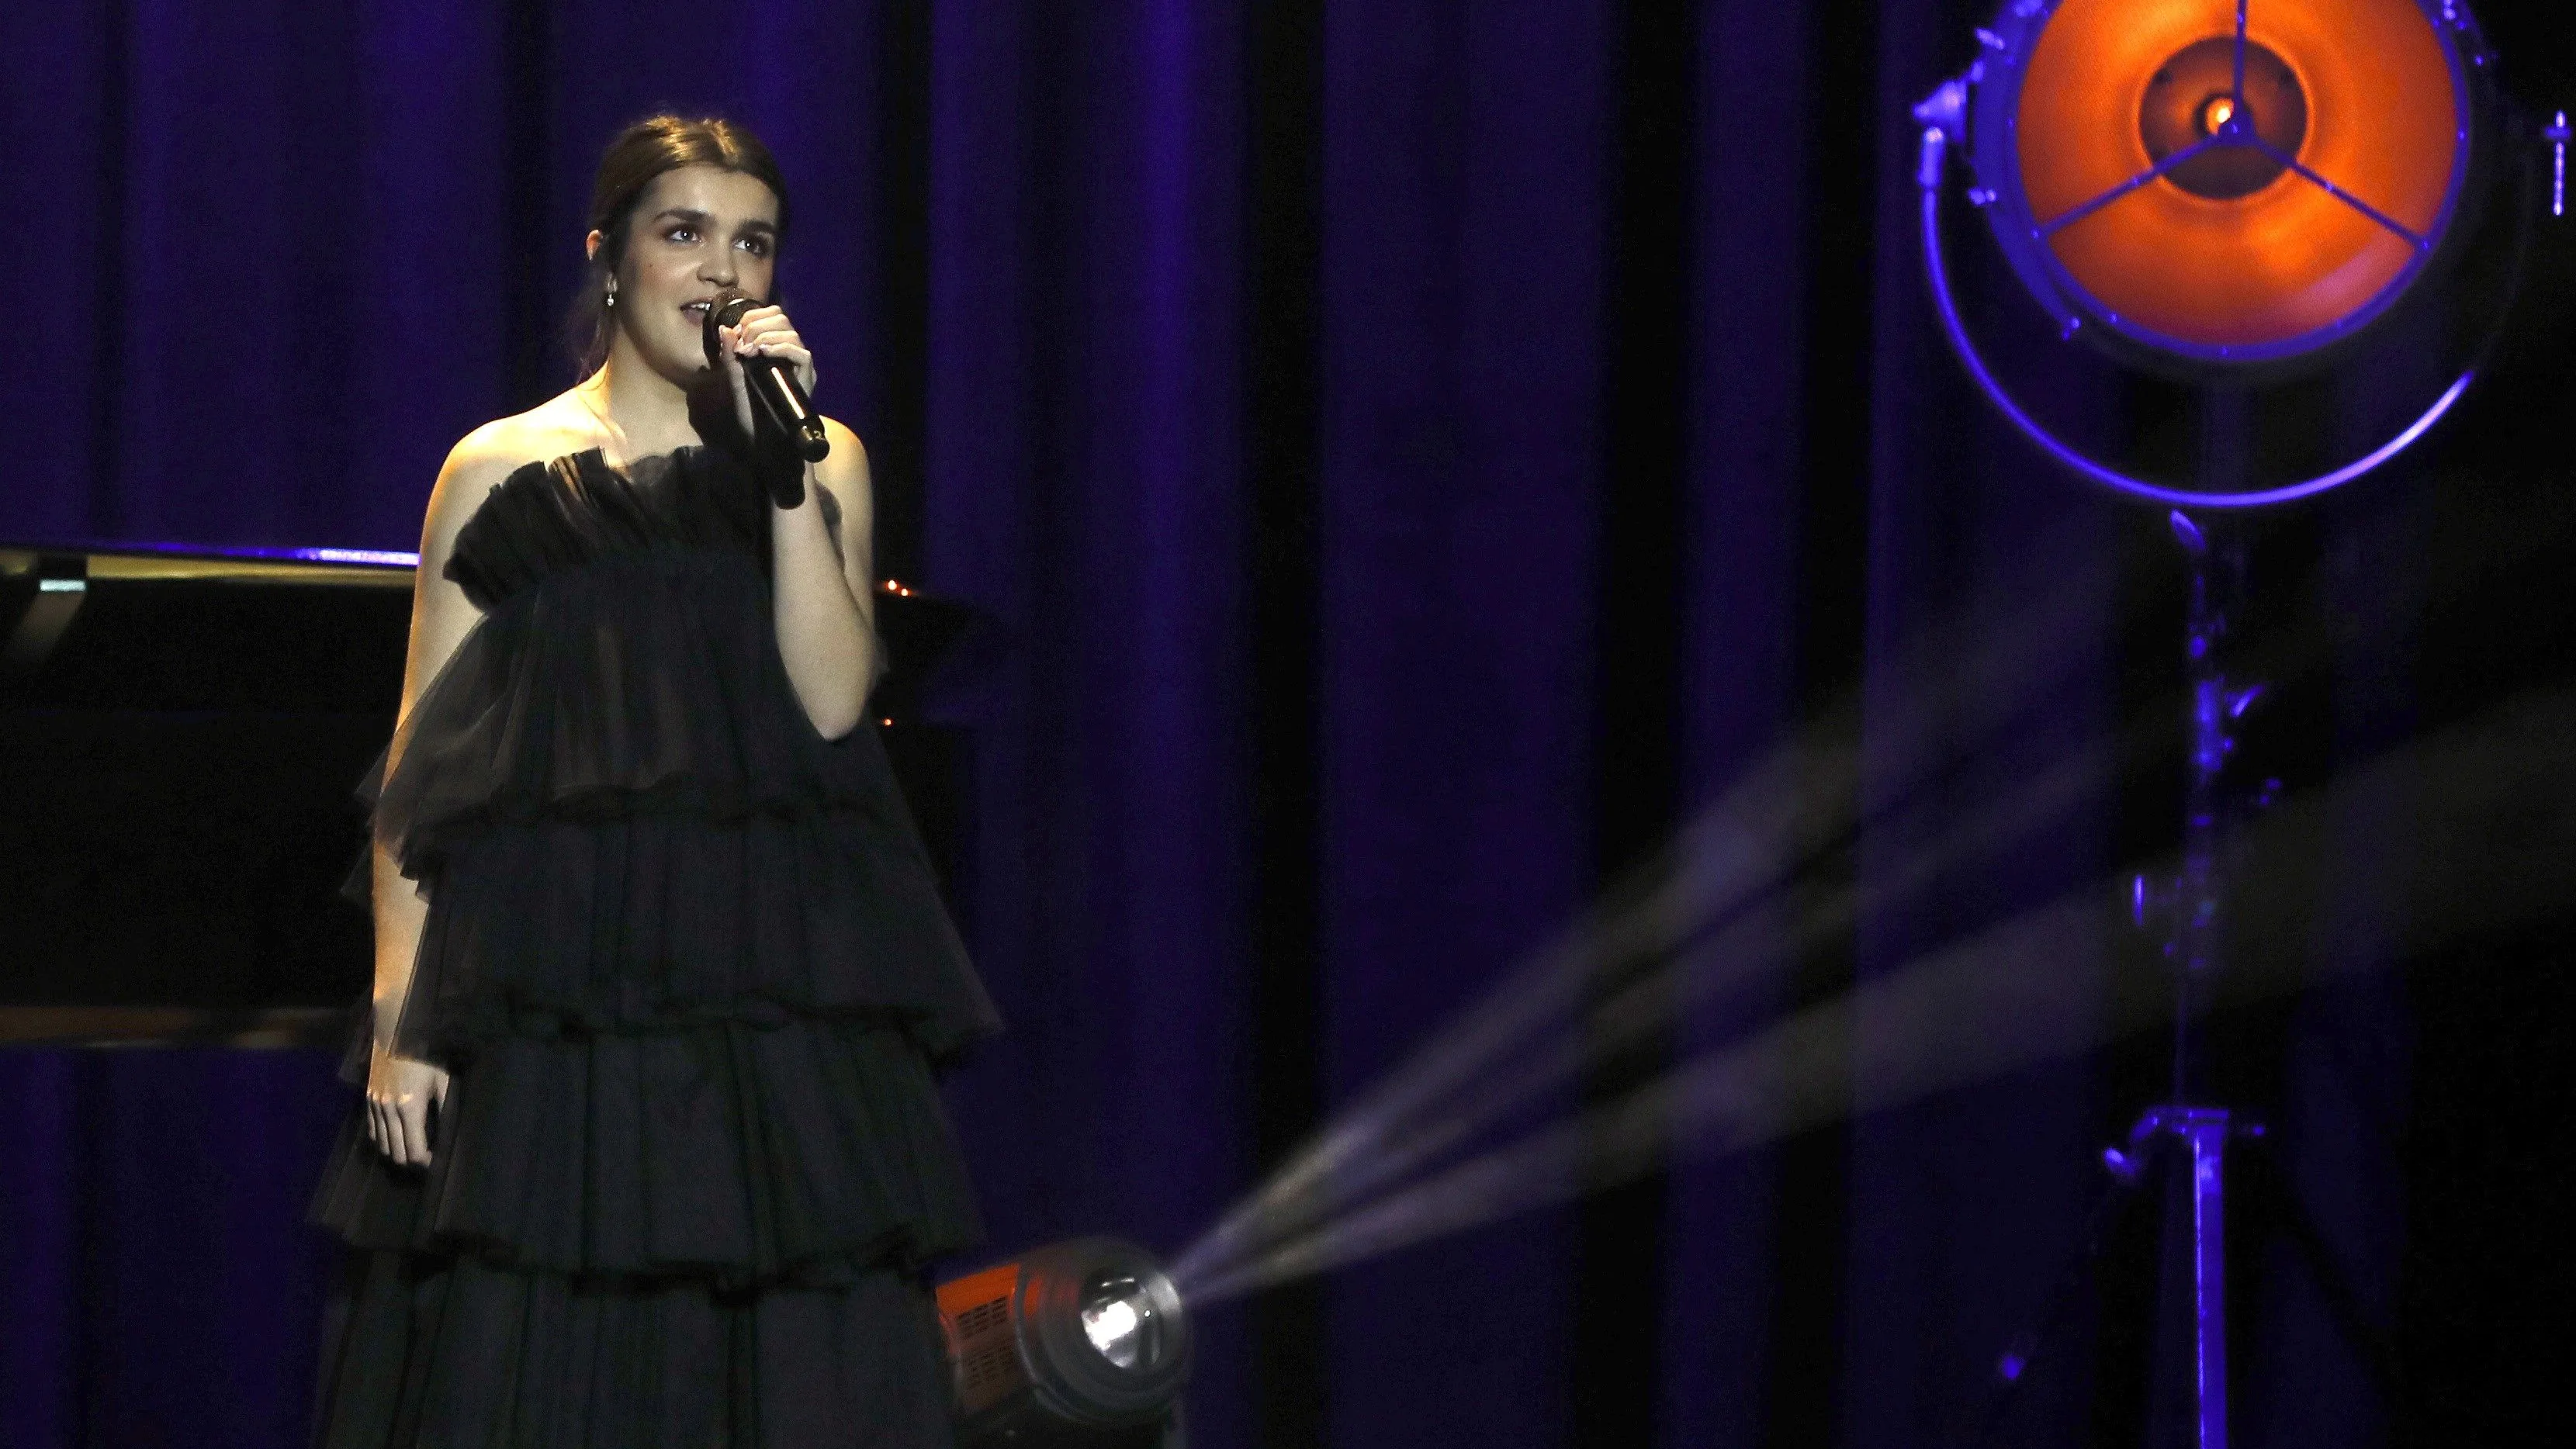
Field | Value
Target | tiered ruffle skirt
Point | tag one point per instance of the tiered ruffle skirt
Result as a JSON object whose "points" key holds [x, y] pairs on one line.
{"points": [[688, 967]]}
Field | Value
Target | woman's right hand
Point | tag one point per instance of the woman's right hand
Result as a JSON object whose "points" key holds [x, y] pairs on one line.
{"points": [[400, 1093]]}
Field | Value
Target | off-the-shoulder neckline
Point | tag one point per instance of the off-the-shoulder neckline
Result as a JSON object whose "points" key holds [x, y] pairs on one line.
{"points": [[624, 470], [626, 474]]}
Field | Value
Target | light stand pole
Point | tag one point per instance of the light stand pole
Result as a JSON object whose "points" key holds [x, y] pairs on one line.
{"points": [[2191, 1135]]}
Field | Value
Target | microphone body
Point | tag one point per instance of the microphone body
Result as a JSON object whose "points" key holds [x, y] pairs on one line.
{"points": [[778, 400]]}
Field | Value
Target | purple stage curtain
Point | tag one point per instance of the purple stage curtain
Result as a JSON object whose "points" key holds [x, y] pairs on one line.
{"points": [[1464, 161], [1749, 356], [1082, 443], [157, 1282], [1963, 1206], [299, 247]]}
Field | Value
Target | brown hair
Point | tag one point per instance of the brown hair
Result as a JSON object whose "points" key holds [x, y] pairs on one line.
{"points": [[641, 152]]}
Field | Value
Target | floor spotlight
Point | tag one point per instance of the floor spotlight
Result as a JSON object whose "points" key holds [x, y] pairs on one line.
{"points": [[1076, 1343]]}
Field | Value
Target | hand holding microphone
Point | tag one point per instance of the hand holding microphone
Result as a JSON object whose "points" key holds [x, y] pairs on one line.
{"points": [[758, 347]]}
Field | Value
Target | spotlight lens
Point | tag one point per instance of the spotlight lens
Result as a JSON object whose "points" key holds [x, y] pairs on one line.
{"points": [[1119, 1321], [2193, 98]]}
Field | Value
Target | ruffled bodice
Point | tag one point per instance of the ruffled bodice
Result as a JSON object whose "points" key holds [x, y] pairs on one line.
{"points": [[618, 808]]}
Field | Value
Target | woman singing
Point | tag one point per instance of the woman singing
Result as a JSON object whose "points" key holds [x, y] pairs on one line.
{"points": [[650, 1152]]}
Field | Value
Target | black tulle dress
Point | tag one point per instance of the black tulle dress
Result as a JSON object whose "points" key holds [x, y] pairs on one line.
{"points": [[685, 960]]}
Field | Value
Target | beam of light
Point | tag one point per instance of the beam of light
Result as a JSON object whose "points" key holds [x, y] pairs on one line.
{"points": [[1700, 973], [1690, 929], [1981, 669], [2494, 849]]}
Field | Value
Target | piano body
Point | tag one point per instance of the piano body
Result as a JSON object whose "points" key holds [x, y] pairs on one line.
{"points": [[179, 736]]}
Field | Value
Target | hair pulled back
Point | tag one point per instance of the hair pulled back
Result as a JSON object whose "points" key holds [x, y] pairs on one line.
{"points": [[641, 152]]}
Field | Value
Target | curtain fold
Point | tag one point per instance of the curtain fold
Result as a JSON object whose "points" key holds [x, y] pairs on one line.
{"points": [[1464, 167]]}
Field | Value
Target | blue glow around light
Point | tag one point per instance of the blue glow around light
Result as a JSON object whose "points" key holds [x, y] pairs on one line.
{"points": [[382, 557], [348, 557], [2557, 134], [1928, 176]]}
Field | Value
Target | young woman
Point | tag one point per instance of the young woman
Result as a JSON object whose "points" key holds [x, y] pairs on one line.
{"points": [[650, 1152]]}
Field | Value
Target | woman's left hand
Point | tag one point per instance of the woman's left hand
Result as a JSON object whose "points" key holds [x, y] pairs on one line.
{"points": [[764, 332]]}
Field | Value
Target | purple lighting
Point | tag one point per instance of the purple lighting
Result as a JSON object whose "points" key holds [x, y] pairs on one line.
{"points": [[381, 557], [345, 557], [1928, 177], [2557, 134]]}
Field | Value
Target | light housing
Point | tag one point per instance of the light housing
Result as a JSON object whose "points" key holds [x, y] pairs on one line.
{"points": [[2318, 212], [2175, 214], [1085, 1341]]}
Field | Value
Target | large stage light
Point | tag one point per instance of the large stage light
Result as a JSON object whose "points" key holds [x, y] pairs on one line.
{"points": [[2215, 189], [1082, 1342], [2149, 186]]}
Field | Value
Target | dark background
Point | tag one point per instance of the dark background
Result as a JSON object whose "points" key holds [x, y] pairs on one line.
{"points": [[1412, 454]]}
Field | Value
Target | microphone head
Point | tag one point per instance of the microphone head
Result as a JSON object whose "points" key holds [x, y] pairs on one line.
{"points": [[725, 309]]}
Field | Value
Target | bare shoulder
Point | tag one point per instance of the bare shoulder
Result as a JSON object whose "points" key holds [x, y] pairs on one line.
{"points": [[844, 474], [492, 452], [846, 467]]}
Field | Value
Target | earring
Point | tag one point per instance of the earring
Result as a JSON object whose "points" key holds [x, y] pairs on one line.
{"points": [[612, 297]]}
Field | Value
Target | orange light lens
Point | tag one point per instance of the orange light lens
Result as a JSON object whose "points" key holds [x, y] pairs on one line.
{"points": [[2282, 261]]}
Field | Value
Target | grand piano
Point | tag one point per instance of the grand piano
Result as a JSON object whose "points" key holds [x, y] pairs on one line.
{"points": [[180, 732]]}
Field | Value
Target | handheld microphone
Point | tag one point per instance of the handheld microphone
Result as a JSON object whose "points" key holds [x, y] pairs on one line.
{"points": [[777, 397]]}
